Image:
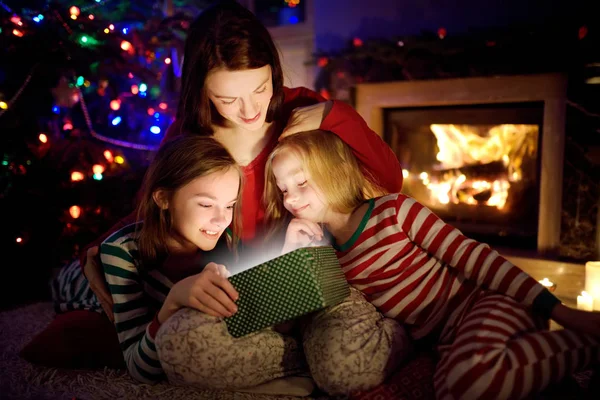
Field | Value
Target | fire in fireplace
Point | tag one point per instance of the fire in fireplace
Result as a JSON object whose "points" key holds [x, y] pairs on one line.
{"points": [[476, 166]]}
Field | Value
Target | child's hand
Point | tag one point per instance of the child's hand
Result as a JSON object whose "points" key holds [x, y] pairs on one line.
{"points": [[301, 233], [577, 320], [209, 292]]}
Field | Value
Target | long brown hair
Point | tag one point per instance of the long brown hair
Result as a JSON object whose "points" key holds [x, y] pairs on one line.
{"points": [[176, 163], [224, 36], [333, 169]]}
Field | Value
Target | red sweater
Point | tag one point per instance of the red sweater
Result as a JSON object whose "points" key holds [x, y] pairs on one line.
{"points": [[377, 158]]}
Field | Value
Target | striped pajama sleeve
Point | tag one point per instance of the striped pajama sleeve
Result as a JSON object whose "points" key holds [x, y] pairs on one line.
{"points": [[135, 321], [476, 261]]}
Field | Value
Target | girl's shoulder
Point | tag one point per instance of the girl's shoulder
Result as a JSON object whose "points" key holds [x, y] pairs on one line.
{"points": [[393, 200], [389, 197], [126, 234]]}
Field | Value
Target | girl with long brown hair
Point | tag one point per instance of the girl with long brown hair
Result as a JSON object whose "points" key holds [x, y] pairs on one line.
{"points": [[166, 261]]}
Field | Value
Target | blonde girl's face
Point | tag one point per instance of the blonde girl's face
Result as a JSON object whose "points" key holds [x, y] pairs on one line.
{"points": [[202, 210], [301, 197], [241, 97]]}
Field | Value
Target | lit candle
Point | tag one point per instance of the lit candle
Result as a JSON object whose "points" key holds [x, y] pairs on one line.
{"points": [[585, 302], [551, 286], [592, 282]]}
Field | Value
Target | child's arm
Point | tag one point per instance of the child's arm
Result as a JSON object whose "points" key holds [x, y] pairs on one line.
{"points": [[476, 261], [135, 322]]}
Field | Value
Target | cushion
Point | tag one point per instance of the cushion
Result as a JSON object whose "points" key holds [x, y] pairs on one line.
{"points": [[413, 381], [76, 339]]}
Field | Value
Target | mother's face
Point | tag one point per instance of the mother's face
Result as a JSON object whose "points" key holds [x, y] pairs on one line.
{"points": [[241, 97]]}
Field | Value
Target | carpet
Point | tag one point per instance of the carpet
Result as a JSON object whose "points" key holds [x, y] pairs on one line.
{"points": [[22, 380]]}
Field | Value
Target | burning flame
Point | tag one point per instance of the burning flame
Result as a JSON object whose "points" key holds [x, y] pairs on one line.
{"points": [[467, 150]]}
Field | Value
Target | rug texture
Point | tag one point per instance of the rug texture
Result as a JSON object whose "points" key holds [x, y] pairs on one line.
{"points": [[22, 380]]}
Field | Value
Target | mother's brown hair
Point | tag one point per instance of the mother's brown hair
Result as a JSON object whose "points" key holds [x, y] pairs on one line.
{"points": [[224, 36], [178, 162]]}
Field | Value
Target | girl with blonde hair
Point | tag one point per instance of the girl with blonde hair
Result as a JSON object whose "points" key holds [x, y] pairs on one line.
{"points": [[486, 315]]}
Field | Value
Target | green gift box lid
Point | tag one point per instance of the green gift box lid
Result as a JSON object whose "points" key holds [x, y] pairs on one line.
{"points": [[289, 286]]}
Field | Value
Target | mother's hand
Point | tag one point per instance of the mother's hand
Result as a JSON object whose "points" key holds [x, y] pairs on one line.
{"points": [[307, 118]]}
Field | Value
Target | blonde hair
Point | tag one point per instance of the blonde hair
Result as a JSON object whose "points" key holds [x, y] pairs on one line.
{"points": [[178, 162], [333, 169]]}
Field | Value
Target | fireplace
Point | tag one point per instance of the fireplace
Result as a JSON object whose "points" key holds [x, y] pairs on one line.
{"points": [[476, 166], [485, 154]]}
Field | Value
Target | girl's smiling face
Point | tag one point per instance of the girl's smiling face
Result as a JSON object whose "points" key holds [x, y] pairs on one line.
{"points": [[301, 197], [202, 210]]}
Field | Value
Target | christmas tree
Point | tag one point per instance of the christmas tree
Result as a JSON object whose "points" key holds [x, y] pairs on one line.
{"points": [[87, 90]]}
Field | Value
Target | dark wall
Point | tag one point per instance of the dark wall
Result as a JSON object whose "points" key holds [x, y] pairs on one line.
{"points": [[338, 20]]}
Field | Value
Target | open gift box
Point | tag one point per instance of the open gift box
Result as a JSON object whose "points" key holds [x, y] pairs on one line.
{"points": [[289, 286]]}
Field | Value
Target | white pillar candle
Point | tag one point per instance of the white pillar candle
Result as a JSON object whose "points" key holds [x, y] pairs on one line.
{"points": [[585, 302], [592, 281]]}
